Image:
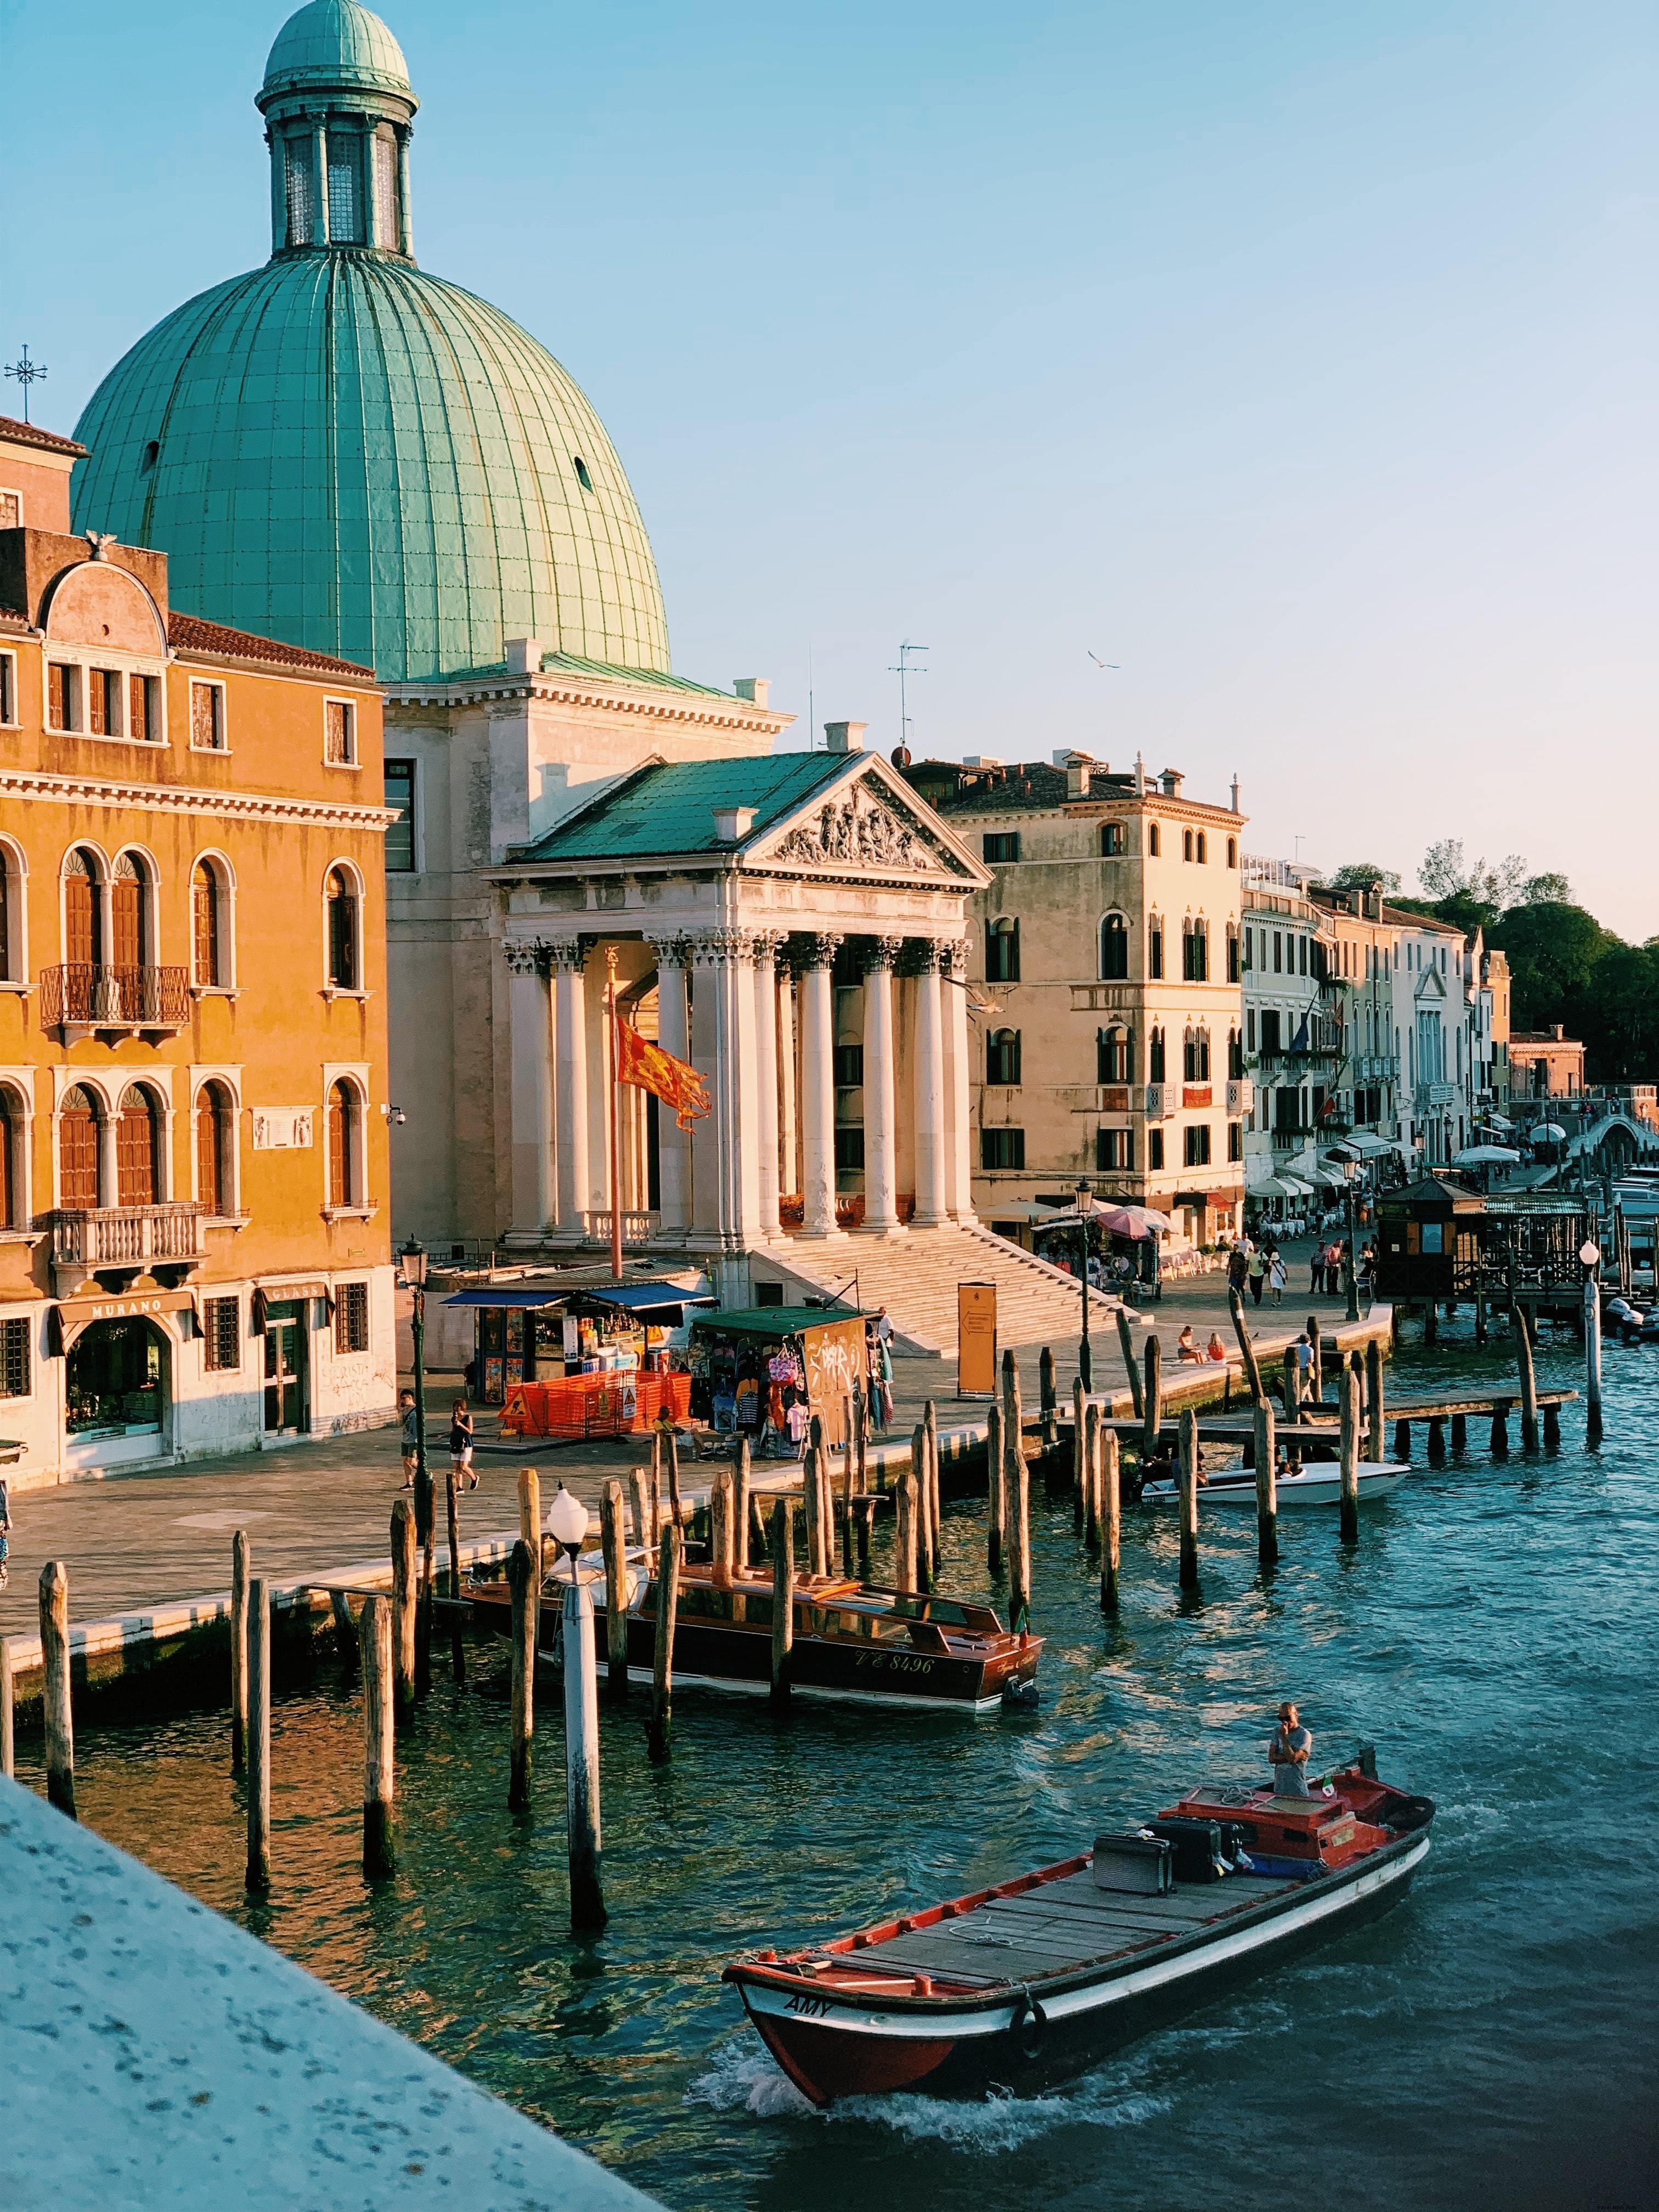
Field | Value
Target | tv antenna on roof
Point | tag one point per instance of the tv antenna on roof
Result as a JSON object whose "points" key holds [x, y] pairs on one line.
{"points": [[27, 372], [901, 669]]}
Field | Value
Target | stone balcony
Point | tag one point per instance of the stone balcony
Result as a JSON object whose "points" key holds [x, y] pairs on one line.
{"points": [[121, 1242]]}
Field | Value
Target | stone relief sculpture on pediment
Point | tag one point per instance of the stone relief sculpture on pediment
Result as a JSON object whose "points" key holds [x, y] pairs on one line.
{"points": [[863, 827]]}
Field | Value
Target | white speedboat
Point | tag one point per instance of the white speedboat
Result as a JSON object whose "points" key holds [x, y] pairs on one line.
{"points": [[1318, 1483]]}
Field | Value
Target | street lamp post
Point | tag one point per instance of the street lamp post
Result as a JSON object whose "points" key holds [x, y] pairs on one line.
{"points": [[567, 1519], [1085, 1358], [1590, 1256], [413, 1258]]}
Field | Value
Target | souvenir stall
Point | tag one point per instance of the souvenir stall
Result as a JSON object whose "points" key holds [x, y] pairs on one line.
{"points": [[763, 1371], [564, 1363]]}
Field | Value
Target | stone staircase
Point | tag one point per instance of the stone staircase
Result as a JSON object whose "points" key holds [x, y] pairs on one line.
{"points": [[916, 1277]]}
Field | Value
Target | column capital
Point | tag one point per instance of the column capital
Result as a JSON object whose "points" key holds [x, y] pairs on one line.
{"points": [[720, 948], [525, 959], [881, 952], [817, 948], [569, 953], [768, 945], [671, 952], [953, 959], [924, 956]]}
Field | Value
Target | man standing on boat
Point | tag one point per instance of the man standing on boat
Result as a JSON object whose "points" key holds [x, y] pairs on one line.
{"points": [[1288, 1754]]}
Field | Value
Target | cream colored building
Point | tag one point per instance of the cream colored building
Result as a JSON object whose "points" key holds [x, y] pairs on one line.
{"points": [[1108, 1042], [1293, 1037]]}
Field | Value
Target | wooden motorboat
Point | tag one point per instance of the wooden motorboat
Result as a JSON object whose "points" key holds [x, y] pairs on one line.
{"points": [[1312, 1483], [1013, 1988], [853, 1642]]}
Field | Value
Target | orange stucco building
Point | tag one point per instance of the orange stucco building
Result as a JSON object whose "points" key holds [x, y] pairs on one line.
{"points": [[194, 1250]]}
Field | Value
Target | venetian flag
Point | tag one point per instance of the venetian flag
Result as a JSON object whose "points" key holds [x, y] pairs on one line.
{"points": [[650, 1068]]}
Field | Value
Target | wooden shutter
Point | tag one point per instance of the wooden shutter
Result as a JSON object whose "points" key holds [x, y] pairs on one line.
{"points": [[204, 907], [209, 1152], [138, 708], [339, 1146], [77, 1152], [80, 915], [135, 1150], [127, 917]]}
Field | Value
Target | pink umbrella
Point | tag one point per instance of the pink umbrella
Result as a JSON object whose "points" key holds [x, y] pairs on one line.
{"points": [[1132, 1221]]}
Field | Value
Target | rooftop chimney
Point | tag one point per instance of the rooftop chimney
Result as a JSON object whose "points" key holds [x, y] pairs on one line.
{"points": [[1172, 781], [732, 823], [1078, 772], [1140, 773], [845, 737], [524, 656], [1235, 805], [1063, 755], [757, 689]]}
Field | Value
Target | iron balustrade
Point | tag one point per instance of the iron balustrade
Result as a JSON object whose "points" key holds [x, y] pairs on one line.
{"points": [[88, 995]]}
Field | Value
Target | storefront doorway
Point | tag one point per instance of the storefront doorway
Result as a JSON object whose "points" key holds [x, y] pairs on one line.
{"points": [[117, 1378], [287, 1400]]}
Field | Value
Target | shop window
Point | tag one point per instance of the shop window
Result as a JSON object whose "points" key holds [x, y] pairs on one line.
{"points": [[113, 1380], [14, 1359], [216, 1126], [1114, 1055], [344, 920], [1198, 1145], [1195, 951], [1111, 840], [137, 1150], [77, 1152], [400, 805], [1154, 1151], [1001, 1148], [343, 1115], [1002, 1056], [1002, 953], [1115, 1148], [222, 1328], [351, 1317], [999, 846], [207, 717], [340, 734], [1156, 1069], [1114, 949]]}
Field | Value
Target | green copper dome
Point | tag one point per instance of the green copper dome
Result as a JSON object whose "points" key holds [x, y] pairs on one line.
{"points": [[342, 452]]}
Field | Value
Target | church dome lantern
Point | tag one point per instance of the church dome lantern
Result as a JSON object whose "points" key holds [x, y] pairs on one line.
{"points": [[338, 105]]}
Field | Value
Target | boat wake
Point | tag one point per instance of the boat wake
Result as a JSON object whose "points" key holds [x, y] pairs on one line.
{"points": [[742, 2079]]}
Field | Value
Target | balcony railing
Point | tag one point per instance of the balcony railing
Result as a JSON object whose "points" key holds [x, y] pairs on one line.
{"points": [[132, 1238], [1241, 1095], [83, 994], [638, 1228]]}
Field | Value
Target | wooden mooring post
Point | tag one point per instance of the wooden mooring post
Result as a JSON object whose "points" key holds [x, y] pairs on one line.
{"points": [[1079, 1463], [1529, 1379], [639, 1486], [1592, 1361], [1151, 1406], [1267, 1485], [380, 1774], [721, 1535], [524, 1576], [1111, 1515], [661, 1736], [403, 1607], [1316, 1370], [453, 1517], [581, 1754], [1126, 1337], [345, 1636], [1375, 1409], [1018, 1478], [239, 1556], [55, 1695], [1246, 1349], [742, 1490], [7, 1714], [783, 1597], [996, 1489], [1189, 1499], [257, 1879], [1090, 1484], [613, 1546], [907, 1550], [1048, 1398], [1348, 1449]]}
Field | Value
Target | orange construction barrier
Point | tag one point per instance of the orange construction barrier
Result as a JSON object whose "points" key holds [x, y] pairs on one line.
{"points": [[614, 1404]]}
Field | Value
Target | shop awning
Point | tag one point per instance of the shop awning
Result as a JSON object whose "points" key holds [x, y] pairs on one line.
{"points": [[646, 1299], [511, 1295], [770, 1324]]}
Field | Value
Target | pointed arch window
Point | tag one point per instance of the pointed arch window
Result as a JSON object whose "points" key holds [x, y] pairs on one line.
{"points": [[343, 1129], [1195, 1056], [1115, 1055], [1155, 948], [344, 932], [84, 934], [1114, 949], [216, 1133]]}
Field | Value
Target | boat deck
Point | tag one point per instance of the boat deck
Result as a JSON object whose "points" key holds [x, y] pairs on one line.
{"points": [[1059, 1925]]}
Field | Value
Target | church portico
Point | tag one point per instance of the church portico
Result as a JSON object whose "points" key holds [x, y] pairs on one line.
{"points": [[750, 948]]}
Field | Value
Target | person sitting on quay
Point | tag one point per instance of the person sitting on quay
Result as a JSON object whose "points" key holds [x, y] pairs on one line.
{"points": [[1186, 1344], [1288, 1752], [1217, 1350]]}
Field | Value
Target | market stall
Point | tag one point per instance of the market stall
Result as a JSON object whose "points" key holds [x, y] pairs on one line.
{"points": [[762, 1371], [542, 1333]]}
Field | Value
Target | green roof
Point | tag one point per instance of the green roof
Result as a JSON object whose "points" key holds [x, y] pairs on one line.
{"points": [[609, 671], [771, 1322], [669, 808], [332, 43]]}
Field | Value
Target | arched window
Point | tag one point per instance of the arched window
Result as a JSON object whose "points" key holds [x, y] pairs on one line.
{"points": [[345, 964], [137, 1152], [77, 1151], [83, 932], [1203, 847], [1186, 844], [1156, 1071], [128, 920], [1154, 840], [11, 1160], [1235, 1056], [342, 1188], [207, 926], [1002, 953], [1114, 949], [1154, 947], [1002, 1056], [1195, 949], [1232, 852], [1114, 1055], [1111, 840], [1232, 952], [216, 1126], [1195, 1056]]}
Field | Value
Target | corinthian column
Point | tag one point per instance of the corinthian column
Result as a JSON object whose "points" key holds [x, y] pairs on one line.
{"points": [[932, 1205], [570, 1094], [530, 1017], [959, 1145], [674, 1035], [766, 944], [817, 1089], [880, 1091], [724, 1013]]}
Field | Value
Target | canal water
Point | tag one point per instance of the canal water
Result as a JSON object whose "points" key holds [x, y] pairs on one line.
{"points": [[1491, 2042]]}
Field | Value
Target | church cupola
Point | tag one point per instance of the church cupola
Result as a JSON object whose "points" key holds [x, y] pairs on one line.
{"points": [[338, 110]]}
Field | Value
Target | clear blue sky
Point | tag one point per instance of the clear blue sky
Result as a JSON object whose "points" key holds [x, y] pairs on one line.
{"points": [[1300, 358]]}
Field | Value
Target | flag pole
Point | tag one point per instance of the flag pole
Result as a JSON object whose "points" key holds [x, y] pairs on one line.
{"points": [[616, 1149]]}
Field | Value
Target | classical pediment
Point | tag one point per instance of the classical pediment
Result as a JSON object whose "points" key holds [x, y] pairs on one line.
{"points": [[867, 827]]}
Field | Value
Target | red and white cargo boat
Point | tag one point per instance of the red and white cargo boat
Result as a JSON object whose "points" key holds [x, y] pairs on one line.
{"points": [[1013, 1988]]}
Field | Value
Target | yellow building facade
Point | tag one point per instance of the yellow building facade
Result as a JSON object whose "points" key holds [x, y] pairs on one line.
{"points": [[194, 1255]]}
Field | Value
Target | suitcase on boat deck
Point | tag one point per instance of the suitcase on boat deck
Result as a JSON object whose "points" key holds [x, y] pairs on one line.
{"points": [[1136, 1866], [1198, 1849]]}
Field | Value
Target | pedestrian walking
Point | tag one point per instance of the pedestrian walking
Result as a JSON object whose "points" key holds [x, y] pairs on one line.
{"points": [[887, 1381], [1315, 1271], [1333, 1268], [460, 1444], [1258, 1275], [1276, 1277], [1238, 1264], [409, 1438]]}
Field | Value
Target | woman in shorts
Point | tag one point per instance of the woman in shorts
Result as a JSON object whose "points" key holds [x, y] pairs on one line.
{"points": [[460, 1444]]}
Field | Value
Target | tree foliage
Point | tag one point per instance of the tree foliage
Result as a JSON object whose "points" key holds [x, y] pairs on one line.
{"points": [[1360, 875], [1565, 967], [1446, 874]]}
